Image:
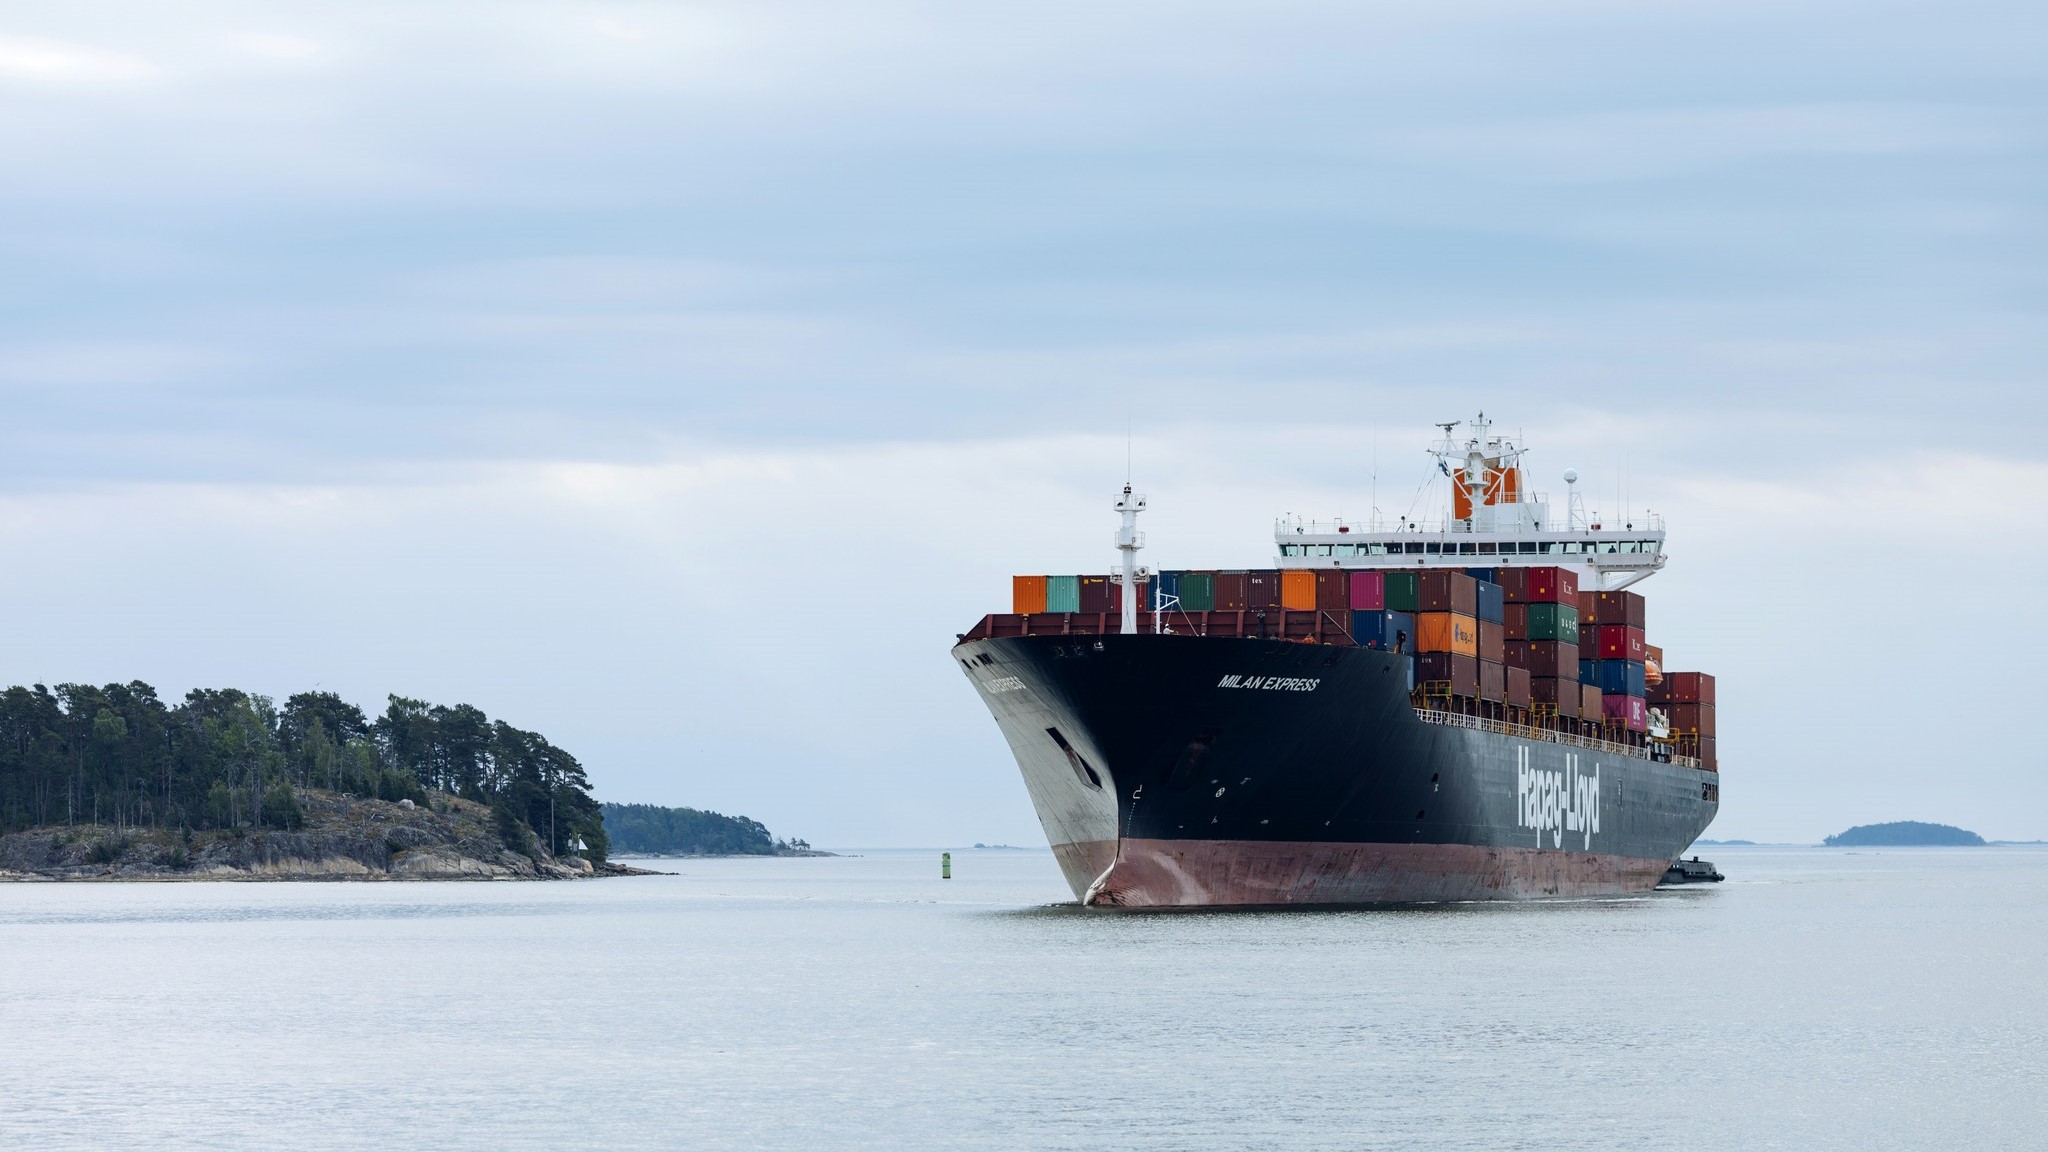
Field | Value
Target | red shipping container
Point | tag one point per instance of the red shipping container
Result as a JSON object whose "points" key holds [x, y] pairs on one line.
{"points": [[1519, 695], [1515, 620], [1544, 585], [1616, 642], [1492, 642], [1493, 681], [1368, 591], [1553, 658], [1460, 673], [1230, 592], [1687, 688], [1622, 607], [1563, 694], [1333, 590], [1262, 589], [1447, 591], [1697, 719]]}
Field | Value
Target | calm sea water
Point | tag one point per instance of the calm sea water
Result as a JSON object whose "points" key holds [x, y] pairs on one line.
{"points": [[1819, 999]]}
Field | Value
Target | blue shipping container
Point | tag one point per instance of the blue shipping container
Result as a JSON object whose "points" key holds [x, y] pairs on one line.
{"points": [[1485, 574], [1589, 672], [1164, 584], [1383, 630], [1493, 603], [1621, 677]]}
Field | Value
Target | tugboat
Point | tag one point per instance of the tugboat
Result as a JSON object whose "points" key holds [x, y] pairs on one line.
{"points": [[1693, 871]]}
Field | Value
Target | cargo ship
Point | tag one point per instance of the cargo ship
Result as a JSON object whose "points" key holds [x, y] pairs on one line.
{"points": [[1463, 708]]}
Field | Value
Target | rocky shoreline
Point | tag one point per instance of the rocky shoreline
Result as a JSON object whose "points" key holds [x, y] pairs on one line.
{"points": [[341, 838]]}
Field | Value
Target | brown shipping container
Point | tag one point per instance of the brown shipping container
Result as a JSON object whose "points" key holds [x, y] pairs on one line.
{"points": [[1230, 592], [1027, 595], [1446, 632], [1653, 653], [1697, 719], [1615, 642], [1446, 591], [1492, 643], [1708, 754], [1589, 702], [1096, 595], [1622, 607], [1333, 590], [1298, 590], [1553, 658], [1512, 581], [1564, 694], [1460, 672], [1519, 695], [1493, 681], [1262, 588], [1515, 622]]}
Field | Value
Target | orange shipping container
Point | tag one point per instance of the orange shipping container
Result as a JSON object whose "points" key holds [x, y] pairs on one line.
{"points": [[1298, 590], [1027, 595], [1447, 632]]}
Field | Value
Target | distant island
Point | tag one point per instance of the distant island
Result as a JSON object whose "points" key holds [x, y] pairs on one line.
{"points": [[1903, 834], [1728, 843], [651, 830], [112, 783]]}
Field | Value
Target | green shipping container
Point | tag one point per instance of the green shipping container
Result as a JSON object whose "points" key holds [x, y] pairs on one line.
{"points": [[1198, 591], [1063, 594], [1404, 592], [1554, 622]]}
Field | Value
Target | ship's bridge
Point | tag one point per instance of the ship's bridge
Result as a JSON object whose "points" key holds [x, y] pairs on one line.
{"points": [[1494, 522]]}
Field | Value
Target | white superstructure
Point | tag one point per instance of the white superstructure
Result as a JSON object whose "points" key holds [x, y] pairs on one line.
{"points": [[1494, 522]]}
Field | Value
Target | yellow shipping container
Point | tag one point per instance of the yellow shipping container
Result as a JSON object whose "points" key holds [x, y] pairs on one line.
{"points": [[1298, 590], [1027, 595], [1446, 632]]}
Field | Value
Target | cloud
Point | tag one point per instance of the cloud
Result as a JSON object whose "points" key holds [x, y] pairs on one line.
{"points": [[36, 61]]}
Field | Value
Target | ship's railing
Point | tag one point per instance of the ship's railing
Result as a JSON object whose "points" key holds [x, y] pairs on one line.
{"points": [[1611, 526], [1531, 732]]}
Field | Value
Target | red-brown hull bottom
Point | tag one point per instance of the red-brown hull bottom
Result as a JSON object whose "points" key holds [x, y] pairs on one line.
{"points": [[1202, 873]]}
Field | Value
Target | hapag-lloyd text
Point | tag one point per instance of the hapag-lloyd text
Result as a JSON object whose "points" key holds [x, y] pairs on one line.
{"points": [[1557, 802]]}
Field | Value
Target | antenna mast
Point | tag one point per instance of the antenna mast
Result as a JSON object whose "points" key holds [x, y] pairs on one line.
{"points": [[1128, 541]]}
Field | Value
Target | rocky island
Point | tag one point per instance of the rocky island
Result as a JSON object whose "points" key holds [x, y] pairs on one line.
{"points": [[111, 783], [335, 837]]}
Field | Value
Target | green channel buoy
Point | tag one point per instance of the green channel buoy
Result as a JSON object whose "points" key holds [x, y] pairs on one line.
{"points": [[945, 865]]}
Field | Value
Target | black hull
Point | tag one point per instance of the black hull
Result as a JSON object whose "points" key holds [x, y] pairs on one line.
{"points": [[1184, 770]]}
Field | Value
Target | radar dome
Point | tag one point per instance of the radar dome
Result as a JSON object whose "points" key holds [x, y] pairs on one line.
{"points": [[1571, 475]]}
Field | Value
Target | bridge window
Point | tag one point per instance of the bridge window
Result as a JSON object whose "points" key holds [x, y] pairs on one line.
{"points": [[1347, 549], [1319, 549], [1376, 549], [1431, 548], [1486, 549], [1571, 547], [1412, 548], [1465, 549]]}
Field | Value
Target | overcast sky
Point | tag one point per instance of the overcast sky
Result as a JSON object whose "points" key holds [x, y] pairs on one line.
{"points": [[677, 379]]}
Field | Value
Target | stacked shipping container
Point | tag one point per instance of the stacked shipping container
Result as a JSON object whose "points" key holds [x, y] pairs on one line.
{"points": [[1523, 639]]}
